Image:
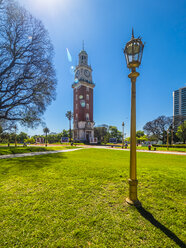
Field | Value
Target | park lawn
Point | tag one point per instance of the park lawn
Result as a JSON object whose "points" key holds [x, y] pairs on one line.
{"points": [[77, 199], [171, 149], [20, 149]]}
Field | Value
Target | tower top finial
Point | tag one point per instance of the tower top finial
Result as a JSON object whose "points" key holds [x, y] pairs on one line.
{"points": [[132, 33], [83, 45]]}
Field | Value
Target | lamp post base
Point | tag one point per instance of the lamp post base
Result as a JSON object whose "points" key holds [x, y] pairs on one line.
{"points": [[135, 203], [133, 199]]}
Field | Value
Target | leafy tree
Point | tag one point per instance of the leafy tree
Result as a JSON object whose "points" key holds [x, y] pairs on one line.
{"points": [[106, 138], [158, 127], [54, 138], [140, 133], [21, 137], [127, 139], [115, 133], [177, 121], [142, 139], [69, 116], [105, 132], [30, 140], [181, 132], [100, 133], [5, 137], [27, 75], [46, 131], [65, 133]]}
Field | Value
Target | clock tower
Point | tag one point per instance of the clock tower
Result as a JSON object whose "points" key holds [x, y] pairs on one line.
{"points": [[83, 100]]}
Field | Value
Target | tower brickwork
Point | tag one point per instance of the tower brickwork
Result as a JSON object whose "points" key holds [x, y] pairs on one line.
{"points": [[83, 100]]}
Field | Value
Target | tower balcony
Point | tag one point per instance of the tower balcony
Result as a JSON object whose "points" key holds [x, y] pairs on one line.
{"points": [[89, 125], [83, 81]]}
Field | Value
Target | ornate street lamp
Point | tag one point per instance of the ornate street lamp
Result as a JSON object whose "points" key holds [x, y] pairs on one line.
{"points": [[123, 124], [133, 53], [167, 139]]}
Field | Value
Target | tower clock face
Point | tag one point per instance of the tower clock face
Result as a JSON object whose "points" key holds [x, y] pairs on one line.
{"points": [[82, 103], [86, 73]]}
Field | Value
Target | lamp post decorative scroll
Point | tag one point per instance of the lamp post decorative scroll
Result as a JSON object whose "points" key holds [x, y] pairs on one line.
{"points": [[133, 53]]}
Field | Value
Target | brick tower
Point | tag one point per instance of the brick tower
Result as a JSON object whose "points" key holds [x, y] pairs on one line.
{"points": [[83, 100]]}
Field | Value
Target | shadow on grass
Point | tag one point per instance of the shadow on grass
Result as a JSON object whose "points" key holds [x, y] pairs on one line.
{"points": [[30, 163], [148, 216], [20, 149]]}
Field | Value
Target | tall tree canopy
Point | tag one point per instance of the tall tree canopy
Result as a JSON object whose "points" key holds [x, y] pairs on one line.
{"points": [[181, 132], [27, 75], [158, 127], [100, 132]]}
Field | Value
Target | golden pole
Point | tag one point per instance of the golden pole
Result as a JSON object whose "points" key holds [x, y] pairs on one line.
{"points": [[167, 139], [132, 199], [171, 136], [123, 135]]}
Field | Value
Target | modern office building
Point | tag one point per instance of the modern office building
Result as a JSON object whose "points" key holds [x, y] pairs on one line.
{"points": [[179, 106]]}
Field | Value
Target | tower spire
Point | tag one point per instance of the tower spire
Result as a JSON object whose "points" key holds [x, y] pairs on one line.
{"points": [[83, 45], [132, 33]]}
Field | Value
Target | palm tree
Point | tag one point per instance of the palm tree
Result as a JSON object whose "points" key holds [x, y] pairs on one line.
{"points": [[15, 128], [69, 116], [46, 131]]}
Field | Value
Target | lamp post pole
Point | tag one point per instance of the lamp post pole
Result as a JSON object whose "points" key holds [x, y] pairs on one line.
{"points": [[167, 139], [123, 134], [172, 136], [133, 199], [133, 53]]}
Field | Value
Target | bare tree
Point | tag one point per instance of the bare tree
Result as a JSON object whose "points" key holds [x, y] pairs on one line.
{"points": [[27, 75], [158, 127]]}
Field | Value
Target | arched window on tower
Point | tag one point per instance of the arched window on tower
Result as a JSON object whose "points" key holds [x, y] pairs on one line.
{"points": [[87, 116], [87, 106]]}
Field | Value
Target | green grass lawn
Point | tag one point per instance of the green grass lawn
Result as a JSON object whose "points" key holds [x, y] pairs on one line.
{"points": [[20, 149], [77, 199], [173, 149]]}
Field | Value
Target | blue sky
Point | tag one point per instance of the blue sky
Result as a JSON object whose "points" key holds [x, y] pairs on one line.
{"points": [[105, 26]]}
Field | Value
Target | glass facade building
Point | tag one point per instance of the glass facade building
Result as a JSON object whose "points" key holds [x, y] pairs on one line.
{"points": [[179, 106]]}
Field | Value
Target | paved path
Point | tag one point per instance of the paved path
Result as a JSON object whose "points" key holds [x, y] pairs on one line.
{"points": [[76, 149], [36, 153]]}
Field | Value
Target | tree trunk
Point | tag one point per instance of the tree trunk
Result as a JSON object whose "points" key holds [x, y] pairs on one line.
{"points": [[70, 129], [46, 140]]}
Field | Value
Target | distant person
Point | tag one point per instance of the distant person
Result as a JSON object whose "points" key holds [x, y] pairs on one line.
{"points": [[126, 145], [149, 146]]}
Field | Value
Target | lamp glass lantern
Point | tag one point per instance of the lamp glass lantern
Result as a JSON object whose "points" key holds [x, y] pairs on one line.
{"points": [[133, 52]]}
